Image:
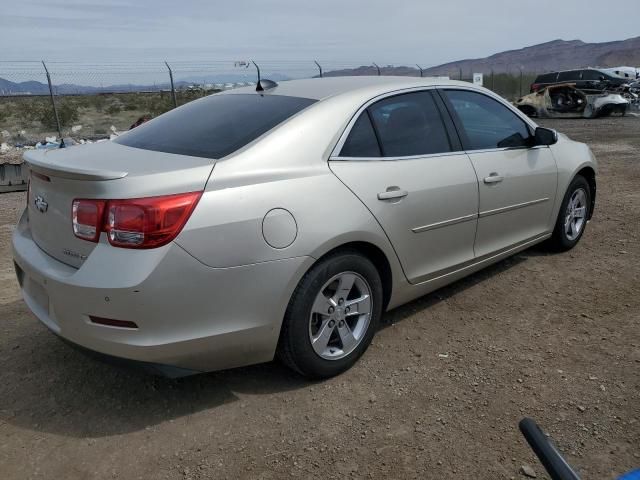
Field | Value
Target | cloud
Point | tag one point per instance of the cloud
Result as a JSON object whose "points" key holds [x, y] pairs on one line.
{"points": [[402, 31]]}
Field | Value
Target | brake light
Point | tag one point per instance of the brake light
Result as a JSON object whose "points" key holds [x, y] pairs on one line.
{"points": [[134, 223]]}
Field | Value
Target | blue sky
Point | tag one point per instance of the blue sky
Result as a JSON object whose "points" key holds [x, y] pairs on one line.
{"points": [[398, 31]]}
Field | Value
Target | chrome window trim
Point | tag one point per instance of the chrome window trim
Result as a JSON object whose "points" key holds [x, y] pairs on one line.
{"points": [[335, 152], [394, 159]]}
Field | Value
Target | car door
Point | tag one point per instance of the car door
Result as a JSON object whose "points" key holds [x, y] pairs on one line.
{"points": [[399, 158], [517, 182]]}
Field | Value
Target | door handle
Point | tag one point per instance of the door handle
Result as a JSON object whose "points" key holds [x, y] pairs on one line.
{"points": [[392, 193], [493, 178]]}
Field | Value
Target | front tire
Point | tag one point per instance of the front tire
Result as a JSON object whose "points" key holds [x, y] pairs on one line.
{"points": [[574, 213], [332, 316]]}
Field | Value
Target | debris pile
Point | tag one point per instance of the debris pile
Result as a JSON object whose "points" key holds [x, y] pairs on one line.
{"points": [[567, 100]]}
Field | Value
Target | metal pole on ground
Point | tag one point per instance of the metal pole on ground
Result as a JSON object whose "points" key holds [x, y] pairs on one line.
{"points": [[421, 70], [173, 89], [377, 67], [53, 104], [319, 67]]}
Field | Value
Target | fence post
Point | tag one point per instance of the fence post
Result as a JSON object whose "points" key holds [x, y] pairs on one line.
{"points": [[420, 68], [460, 77], [377, 67], [492, 81], [53, 104], [173, 89], [319, 67], [521, 81]]}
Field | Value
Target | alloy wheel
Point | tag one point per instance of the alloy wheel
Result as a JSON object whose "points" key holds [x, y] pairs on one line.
{"points": [[340, 315]]}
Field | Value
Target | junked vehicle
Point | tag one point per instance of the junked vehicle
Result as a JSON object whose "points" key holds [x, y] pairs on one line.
{"points": [[566, 101], [588, 80], [250, 224]]}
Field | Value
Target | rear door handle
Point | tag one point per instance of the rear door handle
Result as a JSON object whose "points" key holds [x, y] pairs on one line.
{"points": [[493, 178], [391, 193]]}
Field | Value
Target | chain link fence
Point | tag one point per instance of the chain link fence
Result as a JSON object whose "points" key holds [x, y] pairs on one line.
{"points": [[94, 100]]}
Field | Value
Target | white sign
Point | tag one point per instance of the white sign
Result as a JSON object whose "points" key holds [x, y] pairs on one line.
{"points": [[478, 79]]}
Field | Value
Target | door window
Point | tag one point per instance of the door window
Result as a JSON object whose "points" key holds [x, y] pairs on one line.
{"points": [[486, 123], [569, 76], [404, 125], [592, 75]]}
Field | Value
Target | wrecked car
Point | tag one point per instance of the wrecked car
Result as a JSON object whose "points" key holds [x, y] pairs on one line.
{"points": [[558, 101]]}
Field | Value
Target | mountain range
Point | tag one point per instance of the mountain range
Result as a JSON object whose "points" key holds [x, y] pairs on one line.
{"points": [[549, 56]]}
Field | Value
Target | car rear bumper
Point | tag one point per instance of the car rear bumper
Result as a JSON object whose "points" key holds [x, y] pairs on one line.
{"points": [[188, 315]]}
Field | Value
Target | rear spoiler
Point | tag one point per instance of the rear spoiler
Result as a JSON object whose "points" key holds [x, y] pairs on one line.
{"points": [[37, 161]]}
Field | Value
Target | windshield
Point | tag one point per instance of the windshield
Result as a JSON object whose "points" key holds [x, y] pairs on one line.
{"points": [[215, 126]]}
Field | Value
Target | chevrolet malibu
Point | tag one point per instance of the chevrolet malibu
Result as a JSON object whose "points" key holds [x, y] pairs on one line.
{"points": [[285, 219]]}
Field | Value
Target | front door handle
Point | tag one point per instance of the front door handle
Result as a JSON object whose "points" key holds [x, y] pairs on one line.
{"points": [[392, 193], [493, 178]]}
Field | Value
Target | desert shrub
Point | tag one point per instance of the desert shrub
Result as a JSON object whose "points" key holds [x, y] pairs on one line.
{"points": [[113, 109], [160, 106], [97, 101], [67, 113]]}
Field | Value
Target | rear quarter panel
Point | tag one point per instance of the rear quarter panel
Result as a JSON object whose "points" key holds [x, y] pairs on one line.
{"points": [[287, 169]]}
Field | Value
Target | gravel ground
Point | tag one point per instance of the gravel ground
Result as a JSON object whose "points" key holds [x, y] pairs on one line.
{"points": [[438, 394]]}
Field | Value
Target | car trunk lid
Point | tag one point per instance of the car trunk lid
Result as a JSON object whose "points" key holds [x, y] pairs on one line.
{"points": [[99, 171]]}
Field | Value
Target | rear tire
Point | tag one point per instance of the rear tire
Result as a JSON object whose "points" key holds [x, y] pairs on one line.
{"points": [[332, 316], [573, 215]]}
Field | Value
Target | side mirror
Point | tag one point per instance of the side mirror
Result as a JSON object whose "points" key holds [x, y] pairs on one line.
{"points": [[545, 136]]}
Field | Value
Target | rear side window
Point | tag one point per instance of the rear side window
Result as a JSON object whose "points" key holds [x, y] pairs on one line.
{"points": [[362, 141], [409, 124], [546, 78], [570, 76], [215, 126], [486, 123], [404, 125]]}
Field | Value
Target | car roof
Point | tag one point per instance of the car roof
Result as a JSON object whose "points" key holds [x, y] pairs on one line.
{"points": [[321, 88]]}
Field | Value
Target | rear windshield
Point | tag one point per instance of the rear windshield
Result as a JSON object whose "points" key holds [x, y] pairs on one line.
{"points": [[215, 126]]}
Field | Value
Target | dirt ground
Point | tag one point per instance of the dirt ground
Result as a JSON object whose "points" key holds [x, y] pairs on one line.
{"points": [[438, 394]]}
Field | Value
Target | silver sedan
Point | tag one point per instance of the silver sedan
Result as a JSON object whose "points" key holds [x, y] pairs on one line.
{"points": [[284, 220]]}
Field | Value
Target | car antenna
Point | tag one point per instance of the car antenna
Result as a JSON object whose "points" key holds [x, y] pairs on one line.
{"points": [[265, 84]]}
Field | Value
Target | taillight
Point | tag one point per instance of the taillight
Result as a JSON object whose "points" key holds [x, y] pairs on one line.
{"points": [[148, 222], [134, 223], [87, 218], [535, 87]]}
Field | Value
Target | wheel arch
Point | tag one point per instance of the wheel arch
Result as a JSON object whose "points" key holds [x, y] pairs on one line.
{"points": [[376, 255], [589, 175]]}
